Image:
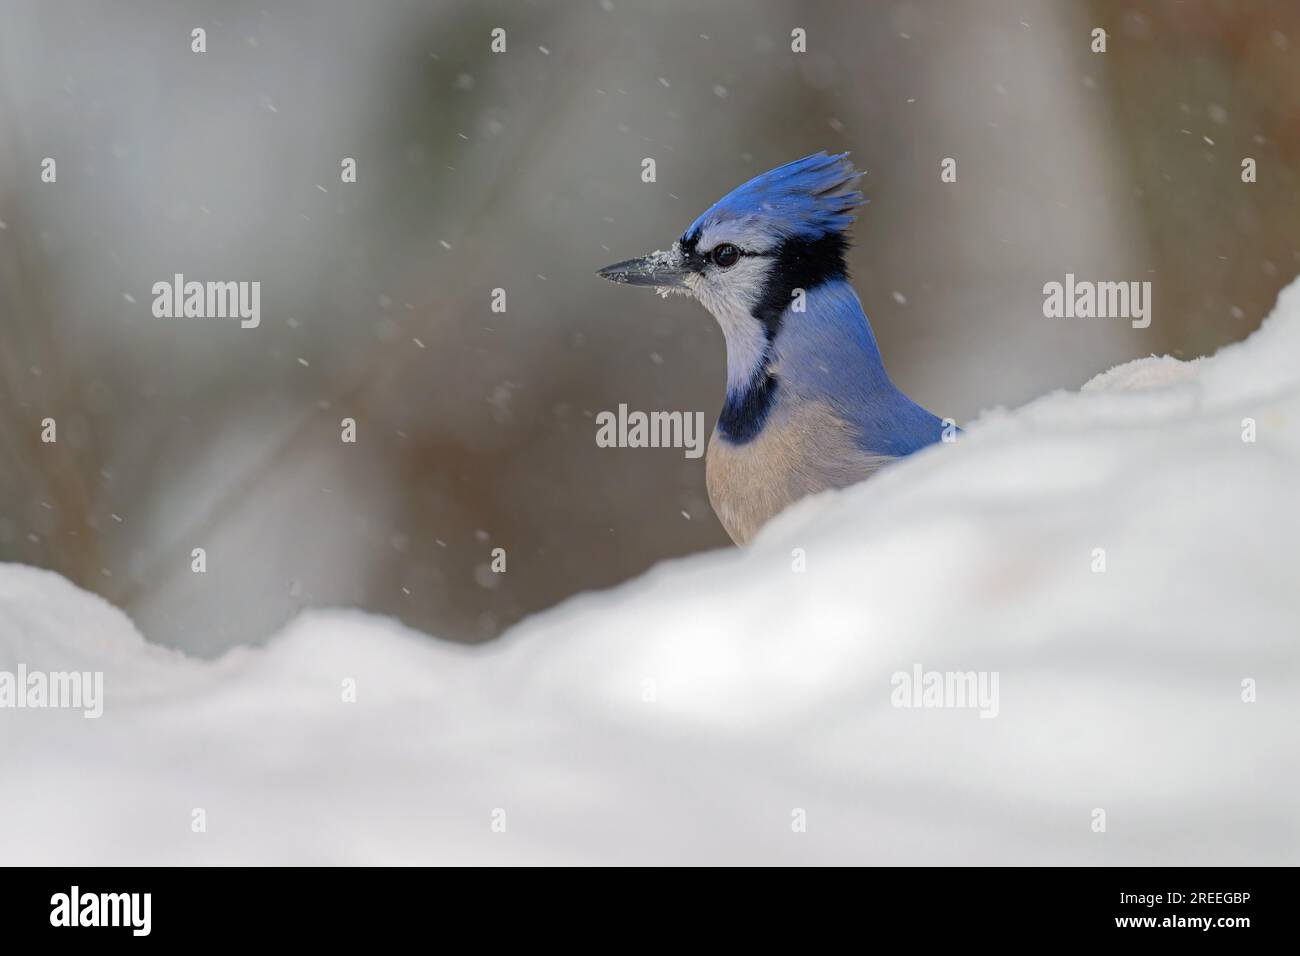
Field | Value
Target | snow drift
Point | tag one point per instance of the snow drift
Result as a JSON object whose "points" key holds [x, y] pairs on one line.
{"points": [[732, 708]]}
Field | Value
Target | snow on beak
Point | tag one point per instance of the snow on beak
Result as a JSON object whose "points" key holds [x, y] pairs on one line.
{"points": [[666, 270]]}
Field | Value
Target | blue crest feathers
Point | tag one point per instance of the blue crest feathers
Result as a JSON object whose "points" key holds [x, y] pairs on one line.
{"points": [[806, 199]]}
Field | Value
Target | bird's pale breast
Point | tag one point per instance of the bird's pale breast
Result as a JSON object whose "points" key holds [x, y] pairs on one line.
{"points": [[799, 452]]}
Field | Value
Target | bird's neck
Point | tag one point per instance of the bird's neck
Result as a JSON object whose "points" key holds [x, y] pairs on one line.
{"points": [[824, 351], [749, 345], [751, 386]]}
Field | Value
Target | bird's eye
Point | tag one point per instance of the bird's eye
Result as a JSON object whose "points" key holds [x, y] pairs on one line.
{"points": [[726, 255]]}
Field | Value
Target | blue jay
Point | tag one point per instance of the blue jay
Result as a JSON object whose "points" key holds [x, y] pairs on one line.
{"points": [[808, 403]]}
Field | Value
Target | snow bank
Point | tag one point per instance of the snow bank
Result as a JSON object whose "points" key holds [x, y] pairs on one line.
{"points": [[694, 714]]}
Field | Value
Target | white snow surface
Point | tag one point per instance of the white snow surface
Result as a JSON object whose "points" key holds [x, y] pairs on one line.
{"points": [[771, 689]]}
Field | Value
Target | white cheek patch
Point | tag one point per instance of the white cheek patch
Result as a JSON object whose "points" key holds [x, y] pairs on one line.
{"points": [[742, 283], [731, 295]]}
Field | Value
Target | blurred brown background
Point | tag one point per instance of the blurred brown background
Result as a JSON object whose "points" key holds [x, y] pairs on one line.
{"points": [[521, 171]]}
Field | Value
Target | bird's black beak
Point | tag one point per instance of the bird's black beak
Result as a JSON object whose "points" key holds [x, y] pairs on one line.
{"points": [[662, 270]]}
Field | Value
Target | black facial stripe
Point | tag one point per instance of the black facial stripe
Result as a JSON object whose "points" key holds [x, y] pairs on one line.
{"points": [[800, 264], [744, 413]]}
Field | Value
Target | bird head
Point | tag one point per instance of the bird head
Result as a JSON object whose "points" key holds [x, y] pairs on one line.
{"points": [[748, 253]]}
